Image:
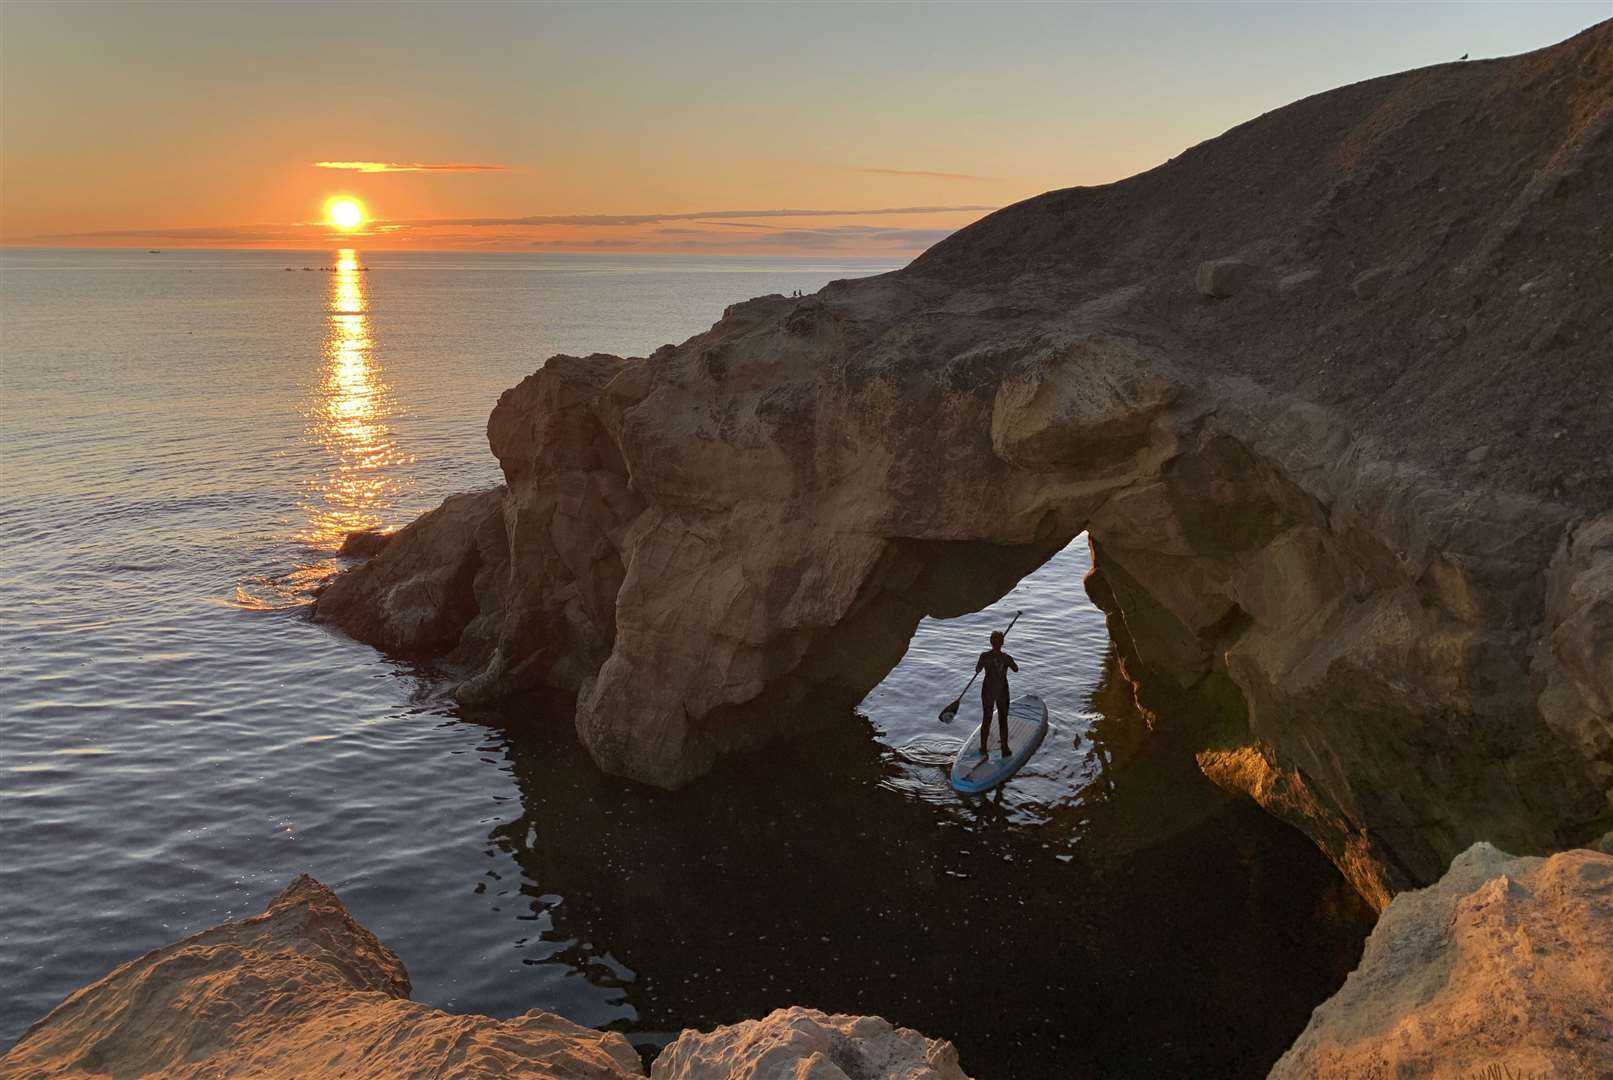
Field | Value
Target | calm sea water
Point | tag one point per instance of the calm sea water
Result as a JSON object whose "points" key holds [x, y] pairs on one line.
{"points": [[185, 437]]}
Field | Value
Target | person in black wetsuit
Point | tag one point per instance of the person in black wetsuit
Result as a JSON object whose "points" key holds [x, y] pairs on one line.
{"points": [[994, 691]]}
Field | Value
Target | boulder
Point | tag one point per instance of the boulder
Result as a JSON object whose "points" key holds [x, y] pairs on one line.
{"points": [[1504, 967], [1223, 277], [1404, 649], [805, 1044], [301, 990]]}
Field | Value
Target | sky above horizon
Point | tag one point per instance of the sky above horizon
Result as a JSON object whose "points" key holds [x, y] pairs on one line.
{"points": [[836, 129]]}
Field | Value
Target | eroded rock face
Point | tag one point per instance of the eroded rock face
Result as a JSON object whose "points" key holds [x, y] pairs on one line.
{"points": [[805, 1044], [301, 990], [1503, 967], [1408, 644]]}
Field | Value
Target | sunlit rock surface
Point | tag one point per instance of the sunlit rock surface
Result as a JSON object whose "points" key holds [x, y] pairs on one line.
{"points": [[301, 990], [1368, 529], [1504, 967], [805, 1044]]}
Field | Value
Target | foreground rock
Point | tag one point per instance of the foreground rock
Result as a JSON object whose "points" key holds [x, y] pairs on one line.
{"points": [[1406, 645], [300, 991], [1502, 968], [805, 1044], [303, 990]]}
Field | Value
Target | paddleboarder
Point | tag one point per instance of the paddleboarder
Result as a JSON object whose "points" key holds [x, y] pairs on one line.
{"points": [[994, 691]]}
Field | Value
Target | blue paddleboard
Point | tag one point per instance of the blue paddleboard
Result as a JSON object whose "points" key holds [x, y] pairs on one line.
{"points": [[973, 772]]}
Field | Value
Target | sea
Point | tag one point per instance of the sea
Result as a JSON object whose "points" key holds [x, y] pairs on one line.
{"points": [[185, 438]]}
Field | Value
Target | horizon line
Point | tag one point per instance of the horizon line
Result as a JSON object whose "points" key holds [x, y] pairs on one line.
{"points": [[901, 257], [582, 220]]}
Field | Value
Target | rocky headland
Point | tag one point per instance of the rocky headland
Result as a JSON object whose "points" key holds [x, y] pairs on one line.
{"points": [[1330, 395], [302, 990]]}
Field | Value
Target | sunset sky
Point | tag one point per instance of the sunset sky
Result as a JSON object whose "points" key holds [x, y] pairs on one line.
{"points": [[802, 128]]}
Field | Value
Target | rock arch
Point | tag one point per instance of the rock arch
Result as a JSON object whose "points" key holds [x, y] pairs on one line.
{"points": [[1370, 526]]}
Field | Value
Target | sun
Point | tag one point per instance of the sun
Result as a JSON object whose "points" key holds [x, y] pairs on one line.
{"points": [[345, 214]]}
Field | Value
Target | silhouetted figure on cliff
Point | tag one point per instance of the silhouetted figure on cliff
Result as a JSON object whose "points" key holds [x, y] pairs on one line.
{"points": [[994, 691]]}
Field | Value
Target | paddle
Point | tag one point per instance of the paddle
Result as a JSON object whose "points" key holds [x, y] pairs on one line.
{"points": [[952, 710]]}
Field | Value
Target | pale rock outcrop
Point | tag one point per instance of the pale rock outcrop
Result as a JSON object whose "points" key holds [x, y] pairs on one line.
{"points": [[1504, 967], [1403, 647], [805, 1044], [301, 990]]}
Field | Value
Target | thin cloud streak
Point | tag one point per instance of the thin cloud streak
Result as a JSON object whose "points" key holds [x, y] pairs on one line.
{"points": [[840, 239], [245, 234], [407, 166], [712, 215], [905, 246], [927, 175]]}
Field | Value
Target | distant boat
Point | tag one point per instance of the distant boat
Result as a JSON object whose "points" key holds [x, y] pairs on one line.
{"points": [[153, 251]]}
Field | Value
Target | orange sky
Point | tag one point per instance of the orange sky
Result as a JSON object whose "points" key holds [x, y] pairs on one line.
{"points": [[631, 127]]}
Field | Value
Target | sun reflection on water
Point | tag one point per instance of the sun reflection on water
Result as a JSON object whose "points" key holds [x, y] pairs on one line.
{"points": [[349, 417], [362, 473]]}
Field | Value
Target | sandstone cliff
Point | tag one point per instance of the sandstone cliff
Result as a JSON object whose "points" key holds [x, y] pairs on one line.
{"points": [[304, 991], [1330, 393], [1503, 968]]}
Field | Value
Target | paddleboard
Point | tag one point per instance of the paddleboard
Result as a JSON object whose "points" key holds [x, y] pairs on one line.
{"points": [[973, 773]]}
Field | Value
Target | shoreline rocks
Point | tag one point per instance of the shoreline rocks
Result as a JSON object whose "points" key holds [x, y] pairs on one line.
{"points": [[1408, 646], [1505, 963], [805, 1044], [1502, 967], [303, 990]]}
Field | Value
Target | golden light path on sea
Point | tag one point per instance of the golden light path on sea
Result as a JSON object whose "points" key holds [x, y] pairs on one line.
{"points": [[349, 417]]}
